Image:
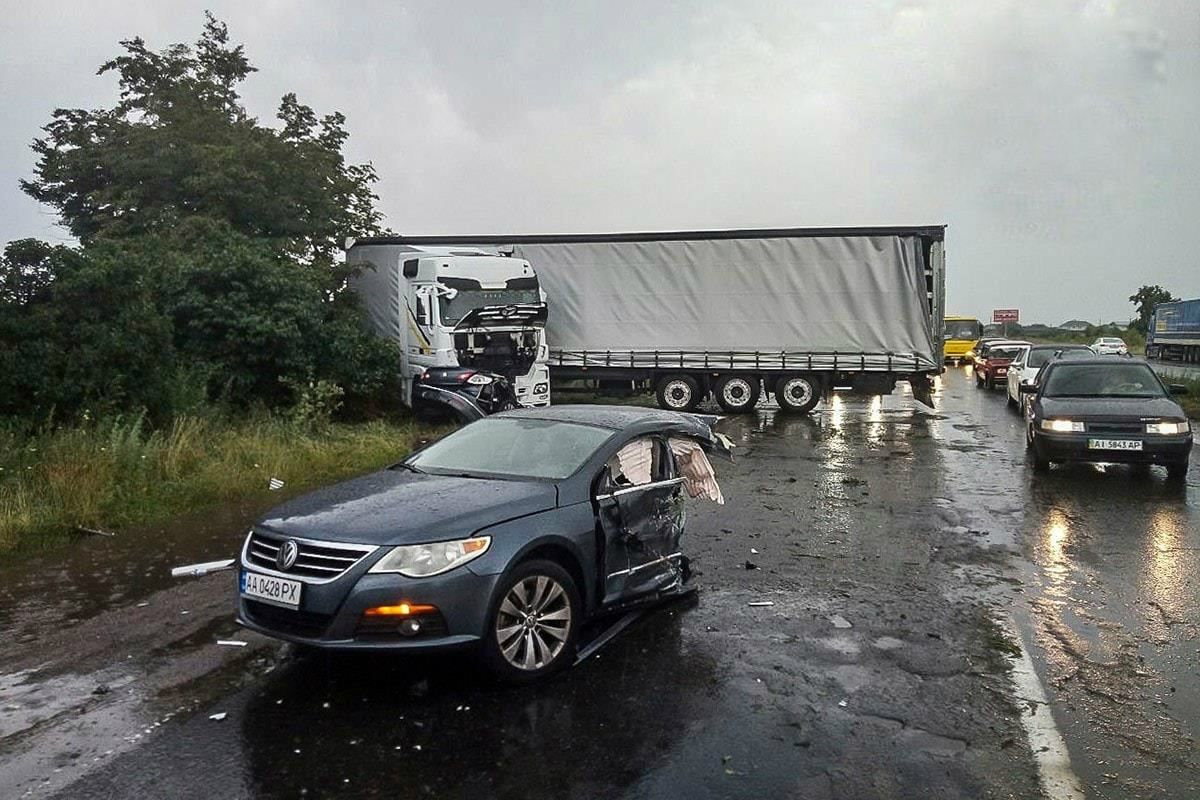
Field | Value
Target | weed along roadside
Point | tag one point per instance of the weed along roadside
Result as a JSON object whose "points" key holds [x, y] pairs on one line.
{"points": [[107, 475]]}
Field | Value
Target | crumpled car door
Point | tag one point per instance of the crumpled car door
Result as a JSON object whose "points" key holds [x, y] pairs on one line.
{"points": [[642, 525]]}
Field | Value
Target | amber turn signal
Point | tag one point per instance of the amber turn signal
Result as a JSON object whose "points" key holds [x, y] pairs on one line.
{"points": [[399, 610]]}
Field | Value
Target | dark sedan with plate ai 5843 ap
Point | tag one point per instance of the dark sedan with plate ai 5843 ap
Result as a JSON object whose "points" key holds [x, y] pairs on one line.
{"points": [[504, 536], [1102, 409]]}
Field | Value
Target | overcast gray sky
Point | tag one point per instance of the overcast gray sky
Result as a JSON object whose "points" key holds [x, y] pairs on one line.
{"points": [[1059, 139]]}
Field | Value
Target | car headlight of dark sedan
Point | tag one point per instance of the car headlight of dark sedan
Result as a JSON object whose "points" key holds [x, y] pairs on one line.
{"points": [[1062, 425], [434, 558], [1168, 428]]}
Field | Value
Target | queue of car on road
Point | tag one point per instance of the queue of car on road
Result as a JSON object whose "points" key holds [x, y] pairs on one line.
{"points": [[1089, 404]]}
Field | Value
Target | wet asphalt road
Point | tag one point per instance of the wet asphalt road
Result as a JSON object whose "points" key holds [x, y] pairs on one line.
{"points": [[893, 543]]}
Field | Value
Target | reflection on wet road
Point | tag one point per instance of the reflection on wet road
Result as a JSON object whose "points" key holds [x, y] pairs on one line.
{"points": [[1110, 562], [888, 540]]}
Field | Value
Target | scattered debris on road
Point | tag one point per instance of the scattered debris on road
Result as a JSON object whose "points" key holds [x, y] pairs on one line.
{"points": [[232, 642], [840, 622], [218, 716], [275, 484], [196, 570], [93, 531], [761, 603]]}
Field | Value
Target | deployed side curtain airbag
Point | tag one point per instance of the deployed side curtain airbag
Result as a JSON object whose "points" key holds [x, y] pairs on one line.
{"points": [[698, 477], [635, 460]]}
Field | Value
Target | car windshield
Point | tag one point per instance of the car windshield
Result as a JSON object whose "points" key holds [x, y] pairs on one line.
{"points": [[1100, 379], [467, 300], [1041, 356], [964, 329], [512, 446], [1004, 352]]}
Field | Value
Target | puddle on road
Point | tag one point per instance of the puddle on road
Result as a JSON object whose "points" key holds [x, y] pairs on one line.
{"points": [[93, 574]]}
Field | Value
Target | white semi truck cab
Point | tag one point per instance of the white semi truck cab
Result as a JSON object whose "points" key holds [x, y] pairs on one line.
{"points": [[456, 307]]}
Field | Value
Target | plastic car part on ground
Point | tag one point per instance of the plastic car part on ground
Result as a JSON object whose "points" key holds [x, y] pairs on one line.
{"points": [[197, 570]]}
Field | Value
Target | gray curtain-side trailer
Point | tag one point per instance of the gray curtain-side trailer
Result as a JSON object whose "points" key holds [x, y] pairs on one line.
{"points": [[794, 312]]}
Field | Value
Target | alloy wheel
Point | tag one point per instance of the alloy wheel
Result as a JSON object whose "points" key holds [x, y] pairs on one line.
{"points": [[533, 622]]}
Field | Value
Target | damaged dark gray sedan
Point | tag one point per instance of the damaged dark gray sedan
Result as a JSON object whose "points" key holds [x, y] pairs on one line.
{"points": [[505, 537]]}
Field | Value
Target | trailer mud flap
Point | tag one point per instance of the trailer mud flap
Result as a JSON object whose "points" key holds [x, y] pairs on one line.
{"points": [[922, 389]]}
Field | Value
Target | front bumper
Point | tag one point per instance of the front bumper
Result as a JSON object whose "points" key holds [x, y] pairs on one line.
{"points": [[331, 614], [1074, 447]]}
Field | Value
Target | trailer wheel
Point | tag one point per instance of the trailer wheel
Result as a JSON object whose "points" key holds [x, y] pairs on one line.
{"points": [[678, 393], [798, 394], [737, 394]]}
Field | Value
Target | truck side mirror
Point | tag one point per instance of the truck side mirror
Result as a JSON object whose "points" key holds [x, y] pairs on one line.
{"points": [[422, 310]]}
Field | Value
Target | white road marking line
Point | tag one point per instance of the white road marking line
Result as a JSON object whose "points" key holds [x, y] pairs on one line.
{"points": [[1058, 780]]}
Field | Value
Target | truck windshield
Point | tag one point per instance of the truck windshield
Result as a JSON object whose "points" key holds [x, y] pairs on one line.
{"points": [[468, 300], [960, 329]]}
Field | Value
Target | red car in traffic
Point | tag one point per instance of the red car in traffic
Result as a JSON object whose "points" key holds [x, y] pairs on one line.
{"points": [[992, 367]]}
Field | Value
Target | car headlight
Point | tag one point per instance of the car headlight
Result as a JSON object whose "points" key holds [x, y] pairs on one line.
{"points": [[1062, 425], [479, 379], [1169, 428], [424, 560]]}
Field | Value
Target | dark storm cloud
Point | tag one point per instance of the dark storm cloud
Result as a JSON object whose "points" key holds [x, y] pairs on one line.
{"points": [[1057, 139]]}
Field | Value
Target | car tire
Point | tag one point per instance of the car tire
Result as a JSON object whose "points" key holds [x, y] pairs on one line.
{"points": [[1040, 462], [519, 651], [978, 379], [797, 394], [737, 394], [1177, 471], [678, 393], [1012, 404], [989, 383]]}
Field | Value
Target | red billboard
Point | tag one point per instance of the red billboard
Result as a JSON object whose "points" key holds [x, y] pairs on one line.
{"points": [[1006, 315]]}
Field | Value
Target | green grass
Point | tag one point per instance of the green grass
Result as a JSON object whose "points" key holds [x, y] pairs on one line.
{"points": [[1191, 400], [118, 473], [1135, 341]]}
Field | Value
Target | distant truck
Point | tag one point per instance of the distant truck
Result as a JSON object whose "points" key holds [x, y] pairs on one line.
{"points": [[792, 312], [1174, 333], [455, 307]]}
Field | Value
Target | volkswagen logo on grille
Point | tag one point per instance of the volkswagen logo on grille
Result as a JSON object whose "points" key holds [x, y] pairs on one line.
{"points": [[285, 559]]}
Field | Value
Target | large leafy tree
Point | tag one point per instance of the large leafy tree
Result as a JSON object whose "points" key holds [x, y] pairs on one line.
{"points": [[192, 215], [1146, 299]]}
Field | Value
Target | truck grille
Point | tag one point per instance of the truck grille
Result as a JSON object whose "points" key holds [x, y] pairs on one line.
{"points": [[322, 562]]}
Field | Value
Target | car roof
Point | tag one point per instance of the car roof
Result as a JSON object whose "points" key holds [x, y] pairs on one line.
{"points": [[1008, 343], [1086, 354], [1097, 358], [1064, 347]]}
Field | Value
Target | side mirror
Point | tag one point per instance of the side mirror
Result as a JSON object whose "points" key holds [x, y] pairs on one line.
{"points": [[1179, 388], [1027, 388]]}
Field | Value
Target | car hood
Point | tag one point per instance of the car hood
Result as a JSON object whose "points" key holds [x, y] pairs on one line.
{"points": [[1088, 407], [393, 507]]}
